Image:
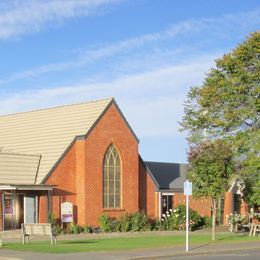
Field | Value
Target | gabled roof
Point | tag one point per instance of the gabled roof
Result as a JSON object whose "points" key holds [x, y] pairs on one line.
{"points": [[48, 132], [169, 176], [18, 168]]}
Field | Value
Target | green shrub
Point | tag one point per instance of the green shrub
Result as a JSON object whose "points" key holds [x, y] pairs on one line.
{"points": [[124, 223], [129, 222], [207, 221], [140, 222], [106, 223], [74, 228], [156, 224], [52, 219], [87, 229], [59, 230]]}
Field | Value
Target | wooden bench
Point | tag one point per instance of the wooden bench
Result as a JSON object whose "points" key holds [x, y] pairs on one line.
{"points": [[254, 228], [43, 229]]}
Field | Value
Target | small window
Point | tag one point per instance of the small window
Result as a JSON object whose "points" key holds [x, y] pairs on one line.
{"points": [[111, 179]]}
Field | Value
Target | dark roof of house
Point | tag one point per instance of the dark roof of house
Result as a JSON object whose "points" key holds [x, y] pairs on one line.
{"points": [[169, 176]]}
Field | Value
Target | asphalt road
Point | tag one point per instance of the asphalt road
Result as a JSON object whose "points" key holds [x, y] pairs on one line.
{"points": [[241, 255], [238, 255]]}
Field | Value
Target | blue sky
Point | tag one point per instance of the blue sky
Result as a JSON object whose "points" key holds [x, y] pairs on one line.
{"points": [[145, 53]]}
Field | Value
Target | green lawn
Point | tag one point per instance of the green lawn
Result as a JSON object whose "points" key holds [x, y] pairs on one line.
{"points": [[109, 244]]}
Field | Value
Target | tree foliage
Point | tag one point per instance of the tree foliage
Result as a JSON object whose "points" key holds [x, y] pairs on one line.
{"points": [[228, 102], [211, 166], [227, 106]]}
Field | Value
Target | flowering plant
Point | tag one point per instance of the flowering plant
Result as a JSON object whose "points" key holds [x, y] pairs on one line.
{"points": [[175, 219], [236, 218]]}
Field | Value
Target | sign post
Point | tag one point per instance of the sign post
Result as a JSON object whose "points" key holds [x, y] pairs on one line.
{"points": [[187, 192]]}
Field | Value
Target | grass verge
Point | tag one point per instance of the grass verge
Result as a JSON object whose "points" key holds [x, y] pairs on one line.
{"points": [[128, 243]]}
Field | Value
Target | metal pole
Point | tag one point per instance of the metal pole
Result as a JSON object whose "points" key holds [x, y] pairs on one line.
{"points": [[14, 209], [187, 223], [12, 201], [3, 210], [48, 204]]}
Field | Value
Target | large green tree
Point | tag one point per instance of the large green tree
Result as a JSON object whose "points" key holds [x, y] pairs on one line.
{"points": [[210, 168], [227, 105]]}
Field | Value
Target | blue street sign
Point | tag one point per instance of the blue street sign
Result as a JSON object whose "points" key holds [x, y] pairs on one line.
{"points": [[187, 188]]}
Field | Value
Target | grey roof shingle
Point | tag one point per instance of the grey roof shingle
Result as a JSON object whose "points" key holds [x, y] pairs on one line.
{"points": [[170, 176]]}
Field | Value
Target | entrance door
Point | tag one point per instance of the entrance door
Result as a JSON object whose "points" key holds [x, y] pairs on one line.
{"points": [[30, 208], [237, 203], [8, 210], [167, 203], [12, 210]]}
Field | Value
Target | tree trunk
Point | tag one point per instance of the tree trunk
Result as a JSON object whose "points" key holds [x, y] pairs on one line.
{"points": [[219, 211], [214, 213]]}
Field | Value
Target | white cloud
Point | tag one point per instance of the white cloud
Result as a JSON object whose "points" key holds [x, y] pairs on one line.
{"points": [[21, 17], [221, 26], [100, 53], [151, 101]]}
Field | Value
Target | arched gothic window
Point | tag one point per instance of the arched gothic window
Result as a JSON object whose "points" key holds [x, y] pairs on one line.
{"points": [[111, 179]]}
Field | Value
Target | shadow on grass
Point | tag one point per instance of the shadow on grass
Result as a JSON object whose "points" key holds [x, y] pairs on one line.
{"points": [[70, 242], [59, 243], [221, 239], [232, 237]]}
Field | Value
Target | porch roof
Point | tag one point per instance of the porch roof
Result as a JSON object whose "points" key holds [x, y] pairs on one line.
{"points": [[18, 168], [31, 187], [169, 176]]}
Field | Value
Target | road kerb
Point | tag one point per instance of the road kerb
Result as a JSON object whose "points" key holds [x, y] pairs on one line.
{"points": [[191, 253]]}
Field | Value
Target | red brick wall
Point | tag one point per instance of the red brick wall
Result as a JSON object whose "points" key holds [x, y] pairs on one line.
{"points": [[43, 209], [79, 176], [64, 178], [81, 187], [244, 208], [110, 129], [147, 195], [228, 205], [202, 206], [156, 205]]}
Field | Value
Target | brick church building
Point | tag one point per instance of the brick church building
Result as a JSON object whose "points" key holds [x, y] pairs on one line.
{"points": [[85, 154]]}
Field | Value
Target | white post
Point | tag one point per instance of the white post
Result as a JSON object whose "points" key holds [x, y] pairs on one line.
{"points": [[187, 191], [160, 205], [187, 223]]}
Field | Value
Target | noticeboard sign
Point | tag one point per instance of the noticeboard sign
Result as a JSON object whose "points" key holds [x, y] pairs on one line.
{"points": [[66, 212], [187, 188]]}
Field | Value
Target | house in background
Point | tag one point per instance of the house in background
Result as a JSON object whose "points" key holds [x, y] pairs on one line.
{"points": [[85, 154], [234, 202], [169, 179]]}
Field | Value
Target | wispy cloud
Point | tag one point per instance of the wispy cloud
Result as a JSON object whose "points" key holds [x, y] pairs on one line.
{"points": [[152, 105], [220, 27], [21, 17]]}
